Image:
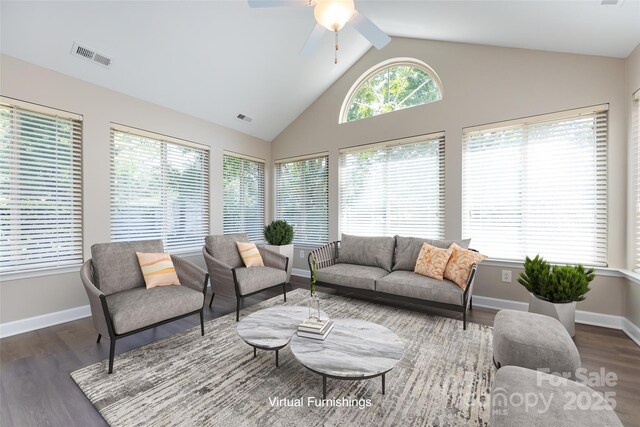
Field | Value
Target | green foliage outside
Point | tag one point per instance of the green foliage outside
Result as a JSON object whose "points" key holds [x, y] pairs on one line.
{"points": [[391, 89], [278, 233], [559, 284]]}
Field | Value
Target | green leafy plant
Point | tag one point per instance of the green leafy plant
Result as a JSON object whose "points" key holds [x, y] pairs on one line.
{"points": [[278, 233], [560, 284], [313, 277]]}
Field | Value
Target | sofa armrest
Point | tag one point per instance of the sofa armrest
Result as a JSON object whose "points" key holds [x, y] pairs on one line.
{"points": [[190, 275], [273, 259], [99, 315], [468, 290], [324, 256]]}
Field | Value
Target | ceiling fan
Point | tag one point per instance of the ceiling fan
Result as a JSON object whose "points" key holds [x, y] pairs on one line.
{"points": [[332, 15]]}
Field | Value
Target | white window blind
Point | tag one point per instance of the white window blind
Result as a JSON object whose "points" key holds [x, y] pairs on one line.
{"points": [[302, 198], [40, 188], [636, 175], [538, 186], [243, 182], [159, 189], [397, 188]]}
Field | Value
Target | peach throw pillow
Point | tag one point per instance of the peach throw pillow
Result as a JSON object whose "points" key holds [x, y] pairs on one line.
{"points": [[459, 265], [432, 261], [157, 269], [250, 254]]}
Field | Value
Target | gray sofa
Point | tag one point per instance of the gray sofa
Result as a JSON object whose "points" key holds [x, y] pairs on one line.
{"points": [[384, 265], [121, 305], [229, 276]]}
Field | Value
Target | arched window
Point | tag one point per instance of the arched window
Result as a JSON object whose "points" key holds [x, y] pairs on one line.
{"points": [[390, 86]]}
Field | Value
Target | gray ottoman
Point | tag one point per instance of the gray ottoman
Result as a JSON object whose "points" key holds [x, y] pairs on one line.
{"points": [[525, 398], [533, 341]]}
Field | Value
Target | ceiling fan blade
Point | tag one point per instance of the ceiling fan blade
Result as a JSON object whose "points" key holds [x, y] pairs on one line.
{"points": [[275, 3], [313, 41], [369, 30]]}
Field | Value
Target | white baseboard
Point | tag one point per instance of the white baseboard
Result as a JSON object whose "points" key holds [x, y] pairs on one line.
{"points": [[38, 322], [631, 330], [583, 317], [300, 272]]}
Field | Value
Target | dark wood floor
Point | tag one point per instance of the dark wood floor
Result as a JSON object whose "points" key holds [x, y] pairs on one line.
{"points": [[36, 389]]}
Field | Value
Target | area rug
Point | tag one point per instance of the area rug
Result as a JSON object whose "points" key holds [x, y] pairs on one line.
{"points": [[444, 378]]}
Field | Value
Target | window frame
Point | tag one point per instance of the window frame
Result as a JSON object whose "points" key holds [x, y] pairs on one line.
{"points": [[393, 62], [244, 157], [635, 178], [524, 123], [165, 141], [77, 203], [276, 174], [435, 137]]}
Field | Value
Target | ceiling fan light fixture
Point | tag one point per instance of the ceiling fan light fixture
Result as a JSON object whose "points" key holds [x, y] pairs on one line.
{"points": [[333, 14]]}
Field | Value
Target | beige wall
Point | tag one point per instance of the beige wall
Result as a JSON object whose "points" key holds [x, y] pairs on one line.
{"points": [[482, 84], [34, 296]]}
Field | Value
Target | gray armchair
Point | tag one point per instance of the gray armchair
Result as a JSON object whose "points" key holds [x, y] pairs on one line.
{"points": [[229, 276], [121, 305]]}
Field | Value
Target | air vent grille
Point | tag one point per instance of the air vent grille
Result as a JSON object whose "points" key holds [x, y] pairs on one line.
{"points": [[244, 118], [87, 53]]}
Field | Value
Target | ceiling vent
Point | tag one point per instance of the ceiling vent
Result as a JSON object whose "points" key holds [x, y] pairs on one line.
{"points": [[244, 118], [90, 54]]}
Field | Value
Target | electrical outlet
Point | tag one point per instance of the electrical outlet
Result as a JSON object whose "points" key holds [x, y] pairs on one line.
{"points": [[301, 253], [506, 276]]}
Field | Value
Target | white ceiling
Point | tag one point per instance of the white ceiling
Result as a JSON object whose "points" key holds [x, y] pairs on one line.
{"points": [[216, 59]]}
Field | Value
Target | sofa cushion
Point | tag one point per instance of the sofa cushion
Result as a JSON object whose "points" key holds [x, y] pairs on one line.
{"points": [[410, 284], [351, 275], [460, 263], [533, 341], [408, 249], [116, 267], [140, 307], [512, 404], [223, 248], [432, 261], [371, 251], [254, 279]]}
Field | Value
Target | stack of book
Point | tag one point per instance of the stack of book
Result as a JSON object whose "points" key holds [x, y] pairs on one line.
{"points": [[315, 329]]}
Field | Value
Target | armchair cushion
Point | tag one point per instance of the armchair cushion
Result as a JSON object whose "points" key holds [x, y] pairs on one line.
{"points": [[157, 269], [116, 267], [224, 248], [136, 308], [255, 279]]}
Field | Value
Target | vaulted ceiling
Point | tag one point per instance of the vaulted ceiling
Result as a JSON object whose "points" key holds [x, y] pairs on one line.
{"points": [[216, 59]]}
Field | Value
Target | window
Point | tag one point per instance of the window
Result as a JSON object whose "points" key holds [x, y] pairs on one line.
{"points": [[635, 135], [538, 186], [40, 187], [159, 189], [302, 198], [243, 182], [394, 188], [391, 86]]}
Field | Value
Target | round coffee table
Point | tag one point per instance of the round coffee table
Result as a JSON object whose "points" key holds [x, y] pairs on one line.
{"points": [[353, 350], [272, 328]]}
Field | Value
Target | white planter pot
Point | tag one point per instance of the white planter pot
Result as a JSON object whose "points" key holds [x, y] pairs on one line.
{"points": [[286, 250], [565, 312]]}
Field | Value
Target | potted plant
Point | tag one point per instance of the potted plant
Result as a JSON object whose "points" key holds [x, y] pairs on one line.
{"points": [[279, 235], [554, 291]]}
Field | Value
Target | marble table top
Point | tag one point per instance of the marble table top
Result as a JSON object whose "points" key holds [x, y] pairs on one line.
{"points": [[353, 349], [272, 328]]}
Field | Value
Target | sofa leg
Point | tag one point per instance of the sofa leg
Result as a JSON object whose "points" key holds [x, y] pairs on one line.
{"points": [[112, 351], [202, 321], [238, 310], [470, 303], [213, 294], [99, 337], [464, 320], [284, 291]]}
